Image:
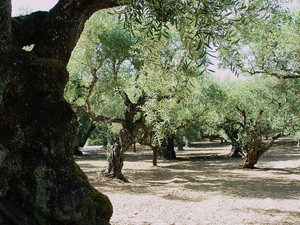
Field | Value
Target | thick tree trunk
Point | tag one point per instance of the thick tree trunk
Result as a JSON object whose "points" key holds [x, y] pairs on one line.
{"points": [[84, 136], [127, 136], [166, 150], [115, 162], [180, 144], [85, 131], [40, 182], [256, 151], [236, 145], [235, 151], [258, 148]]}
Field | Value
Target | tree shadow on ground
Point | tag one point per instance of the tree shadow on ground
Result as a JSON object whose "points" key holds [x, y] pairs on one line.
{"points": [[202, 180], [198, 169]]}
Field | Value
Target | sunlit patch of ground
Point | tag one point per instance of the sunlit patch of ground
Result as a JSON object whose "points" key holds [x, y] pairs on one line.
{"points": [[202, 187]]}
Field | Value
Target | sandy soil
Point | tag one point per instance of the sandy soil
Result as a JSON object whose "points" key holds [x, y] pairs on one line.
{"points": [[202, 187]]}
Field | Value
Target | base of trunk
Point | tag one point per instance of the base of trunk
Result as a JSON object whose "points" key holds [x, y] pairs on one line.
{"points": [[39, 180], [166, 150], [247, 166], [54, 197], [115, 159]]}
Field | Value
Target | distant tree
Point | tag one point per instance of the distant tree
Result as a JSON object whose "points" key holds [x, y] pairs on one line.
{"points": [[107, 72], [254, 109], [85, 129], [151, 101], [264, 48]]}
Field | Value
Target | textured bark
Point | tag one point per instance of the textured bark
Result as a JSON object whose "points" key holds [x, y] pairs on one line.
{"points": [[236, 150], [166, 150], [117, 154], [5, 26], [258, 148], [236, 145], [127, 136], [40, 182]]}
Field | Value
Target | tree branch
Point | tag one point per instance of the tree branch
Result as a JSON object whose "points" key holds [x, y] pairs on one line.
{"points": [[244, 117], [142, 99], [97, 118], [125, 98], [25, 28], [62, 26], [271, 142], [93, 83], [258, 118], [230, 121], [295, 74], [191, 120]]}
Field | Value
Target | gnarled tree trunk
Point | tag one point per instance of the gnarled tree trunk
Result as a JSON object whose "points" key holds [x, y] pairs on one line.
{"points": [[236, 149], [236, 145], [127, 136], [116, 156], [86, 127], [40, 182], [258, 148], [166, 150]]}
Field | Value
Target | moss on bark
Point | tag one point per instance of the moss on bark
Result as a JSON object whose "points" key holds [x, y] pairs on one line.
{"points": [[39, 182]]}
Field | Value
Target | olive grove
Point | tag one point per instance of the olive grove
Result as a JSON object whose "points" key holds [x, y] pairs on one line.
{"points": [[40, 183], [152, 95]]}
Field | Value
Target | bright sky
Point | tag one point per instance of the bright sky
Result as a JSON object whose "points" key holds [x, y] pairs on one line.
{"points": [[32, 5], [35, 5]]}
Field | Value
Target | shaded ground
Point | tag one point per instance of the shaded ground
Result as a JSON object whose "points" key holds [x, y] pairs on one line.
{"points": [[202, 187]]}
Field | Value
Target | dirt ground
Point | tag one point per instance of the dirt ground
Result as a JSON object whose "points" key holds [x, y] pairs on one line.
{"points": [[201, 187]]}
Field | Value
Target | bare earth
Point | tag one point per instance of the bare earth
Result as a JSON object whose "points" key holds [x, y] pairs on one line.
{"points": [[201, 187]]}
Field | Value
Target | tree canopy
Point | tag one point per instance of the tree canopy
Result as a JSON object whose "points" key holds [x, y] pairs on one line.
{"points": [[40, 182], [268, 46]]}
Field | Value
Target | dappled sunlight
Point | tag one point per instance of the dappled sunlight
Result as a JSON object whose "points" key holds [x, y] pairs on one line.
{"points": [[280, 164], [202, 186]]}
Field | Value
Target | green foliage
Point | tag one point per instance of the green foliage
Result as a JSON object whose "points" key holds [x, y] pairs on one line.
{"points": [[269, 45], [164, 56], [100, 66], [105, 134], [115, 43], [263, 104], [200, 24], [177, 93]]}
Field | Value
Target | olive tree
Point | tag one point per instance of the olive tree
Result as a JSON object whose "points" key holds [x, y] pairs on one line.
{"points": [[269, 47], [40, 183], [255, 109], [264, 49], [113, 85]]}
